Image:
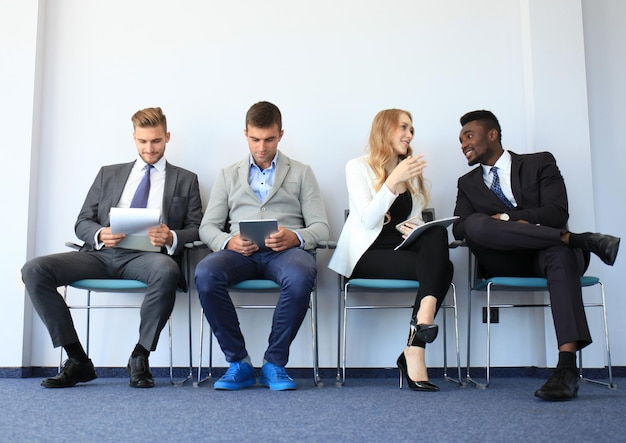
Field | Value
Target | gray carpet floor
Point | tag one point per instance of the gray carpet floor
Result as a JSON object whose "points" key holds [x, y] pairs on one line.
{"points": [[364, 410]]}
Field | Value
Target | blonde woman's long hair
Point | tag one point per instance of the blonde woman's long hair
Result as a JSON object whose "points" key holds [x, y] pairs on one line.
{"points": [[381, 152]]}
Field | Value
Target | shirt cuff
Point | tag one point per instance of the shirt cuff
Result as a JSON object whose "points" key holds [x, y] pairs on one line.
{"points": [[226, 242], [98, 244], [301, 240], [172, 249]]}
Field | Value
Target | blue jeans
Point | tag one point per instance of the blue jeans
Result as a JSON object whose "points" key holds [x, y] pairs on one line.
{"points": [[293, 269]]}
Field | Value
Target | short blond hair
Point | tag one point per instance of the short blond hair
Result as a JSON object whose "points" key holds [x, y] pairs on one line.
{"points": [[149, 118]]}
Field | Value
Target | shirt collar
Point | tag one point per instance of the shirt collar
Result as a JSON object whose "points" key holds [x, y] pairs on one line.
{"points": [[503, 163], [252, 162], [158, 166]]}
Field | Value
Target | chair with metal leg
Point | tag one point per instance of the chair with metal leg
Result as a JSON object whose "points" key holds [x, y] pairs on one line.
{"points": [[390, 286], [348, 287], [493, 285], [126, 286], [252, 288]]}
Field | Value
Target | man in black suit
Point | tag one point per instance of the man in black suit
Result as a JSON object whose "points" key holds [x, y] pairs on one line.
{"points": [[513, 215], [172, 190]]}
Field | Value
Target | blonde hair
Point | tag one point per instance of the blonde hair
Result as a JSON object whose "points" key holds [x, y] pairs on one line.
{"points": [[149, 118], [381, 152]]}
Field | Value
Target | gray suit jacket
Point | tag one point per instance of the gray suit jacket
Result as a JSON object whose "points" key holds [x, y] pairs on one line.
{"points": [[182, 207], [294, 200]]}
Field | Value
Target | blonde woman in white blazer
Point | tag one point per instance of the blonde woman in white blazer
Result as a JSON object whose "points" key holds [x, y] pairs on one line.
{"points": [[386, 187]]}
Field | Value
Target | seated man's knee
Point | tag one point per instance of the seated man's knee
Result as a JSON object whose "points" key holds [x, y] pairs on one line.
{"points": [[170, 271], [164, 272], [27, 271], [208, 273], [33, 270], [476, 228], [301, 275]]}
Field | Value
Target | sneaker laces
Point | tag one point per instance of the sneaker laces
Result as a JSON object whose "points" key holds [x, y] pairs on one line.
{"points": [[279, 373], [233, 370]]}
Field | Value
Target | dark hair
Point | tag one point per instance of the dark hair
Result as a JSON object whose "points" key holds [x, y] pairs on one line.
{"points": [[486, 118], [264, 115]]}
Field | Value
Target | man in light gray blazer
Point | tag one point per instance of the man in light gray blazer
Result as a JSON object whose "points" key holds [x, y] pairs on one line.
{"points": [[172, 190], [266, 185]]}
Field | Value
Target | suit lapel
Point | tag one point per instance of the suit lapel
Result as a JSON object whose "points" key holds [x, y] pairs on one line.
{"points": [[171, 178], [282, 168], [244, 171], [482, 189], [119, 182], [516, 183]]}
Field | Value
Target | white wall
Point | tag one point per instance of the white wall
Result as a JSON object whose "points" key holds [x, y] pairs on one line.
{"points": [[18, 73], [606, 69], [330, 66]]}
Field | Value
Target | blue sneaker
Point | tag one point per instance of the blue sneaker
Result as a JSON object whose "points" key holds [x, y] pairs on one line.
{"points": [[276, 378], [239, 375]]}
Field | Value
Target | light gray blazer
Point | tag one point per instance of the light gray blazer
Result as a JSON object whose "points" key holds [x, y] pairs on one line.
{"points": [[294, 200], [367, 213]]}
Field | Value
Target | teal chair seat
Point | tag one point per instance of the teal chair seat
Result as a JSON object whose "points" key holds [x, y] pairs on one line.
{"points": [[110, 285]]}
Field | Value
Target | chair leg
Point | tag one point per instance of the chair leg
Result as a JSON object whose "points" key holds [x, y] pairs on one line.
{"points": [[339, 380], [61, 347], [607, 350], [199, 379], [488, 362], [459, 379], [316, 370], [88, 322], [344, 335], [189, 375]]}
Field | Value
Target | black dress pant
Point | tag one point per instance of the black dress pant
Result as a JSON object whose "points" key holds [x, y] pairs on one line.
{"points": [[515, 249], [426, 260]]}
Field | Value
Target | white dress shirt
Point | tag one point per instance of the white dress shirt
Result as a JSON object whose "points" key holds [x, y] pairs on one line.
{"points": [[504, 174]]}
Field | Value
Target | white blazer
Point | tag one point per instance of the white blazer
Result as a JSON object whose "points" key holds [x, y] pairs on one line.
{"points": [[367, 213]]}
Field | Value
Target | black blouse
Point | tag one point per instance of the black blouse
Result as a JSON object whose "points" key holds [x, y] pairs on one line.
{"points": [[400, 210]]}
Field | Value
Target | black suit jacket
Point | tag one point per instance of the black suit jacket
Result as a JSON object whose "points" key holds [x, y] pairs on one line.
{"points": [[181, 210], [537, 185]]}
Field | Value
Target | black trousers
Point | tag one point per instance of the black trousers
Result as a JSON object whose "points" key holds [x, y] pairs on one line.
{"points": [[426, 260], [516, 249]]}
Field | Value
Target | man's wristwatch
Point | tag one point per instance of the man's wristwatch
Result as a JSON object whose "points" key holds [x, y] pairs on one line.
{"points": [[505, 217]]}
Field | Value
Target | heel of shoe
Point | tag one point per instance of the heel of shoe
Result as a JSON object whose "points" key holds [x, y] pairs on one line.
{"points": [[414, 385], [402, 368]]}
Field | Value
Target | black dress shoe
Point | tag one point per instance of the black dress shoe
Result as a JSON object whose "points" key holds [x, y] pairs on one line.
{"points": [[562, 386], [72, 372], [139, 371], [424, 386], [604, 246]]}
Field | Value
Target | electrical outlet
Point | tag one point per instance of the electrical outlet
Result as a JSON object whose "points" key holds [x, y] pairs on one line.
{"points": [[495, 315]]}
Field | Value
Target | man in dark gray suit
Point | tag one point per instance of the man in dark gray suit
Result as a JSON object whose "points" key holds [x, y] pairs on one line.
{"points": [[172, 190], [513, 215]]}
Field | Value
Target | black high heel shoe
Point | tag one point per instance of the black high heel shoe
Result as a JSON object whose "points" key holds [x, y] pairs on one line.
{"points": [[425, 386], [426, 333]]}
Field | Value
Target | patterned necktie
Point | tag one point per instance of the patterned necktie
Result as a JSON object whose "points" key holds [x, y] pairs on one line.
{"points": [[497, 189], [140, 199]]}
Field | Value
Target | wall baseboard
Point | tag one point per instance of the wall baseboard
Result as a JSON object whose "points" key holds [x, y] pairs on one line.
{"points": [[325, 373]]}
